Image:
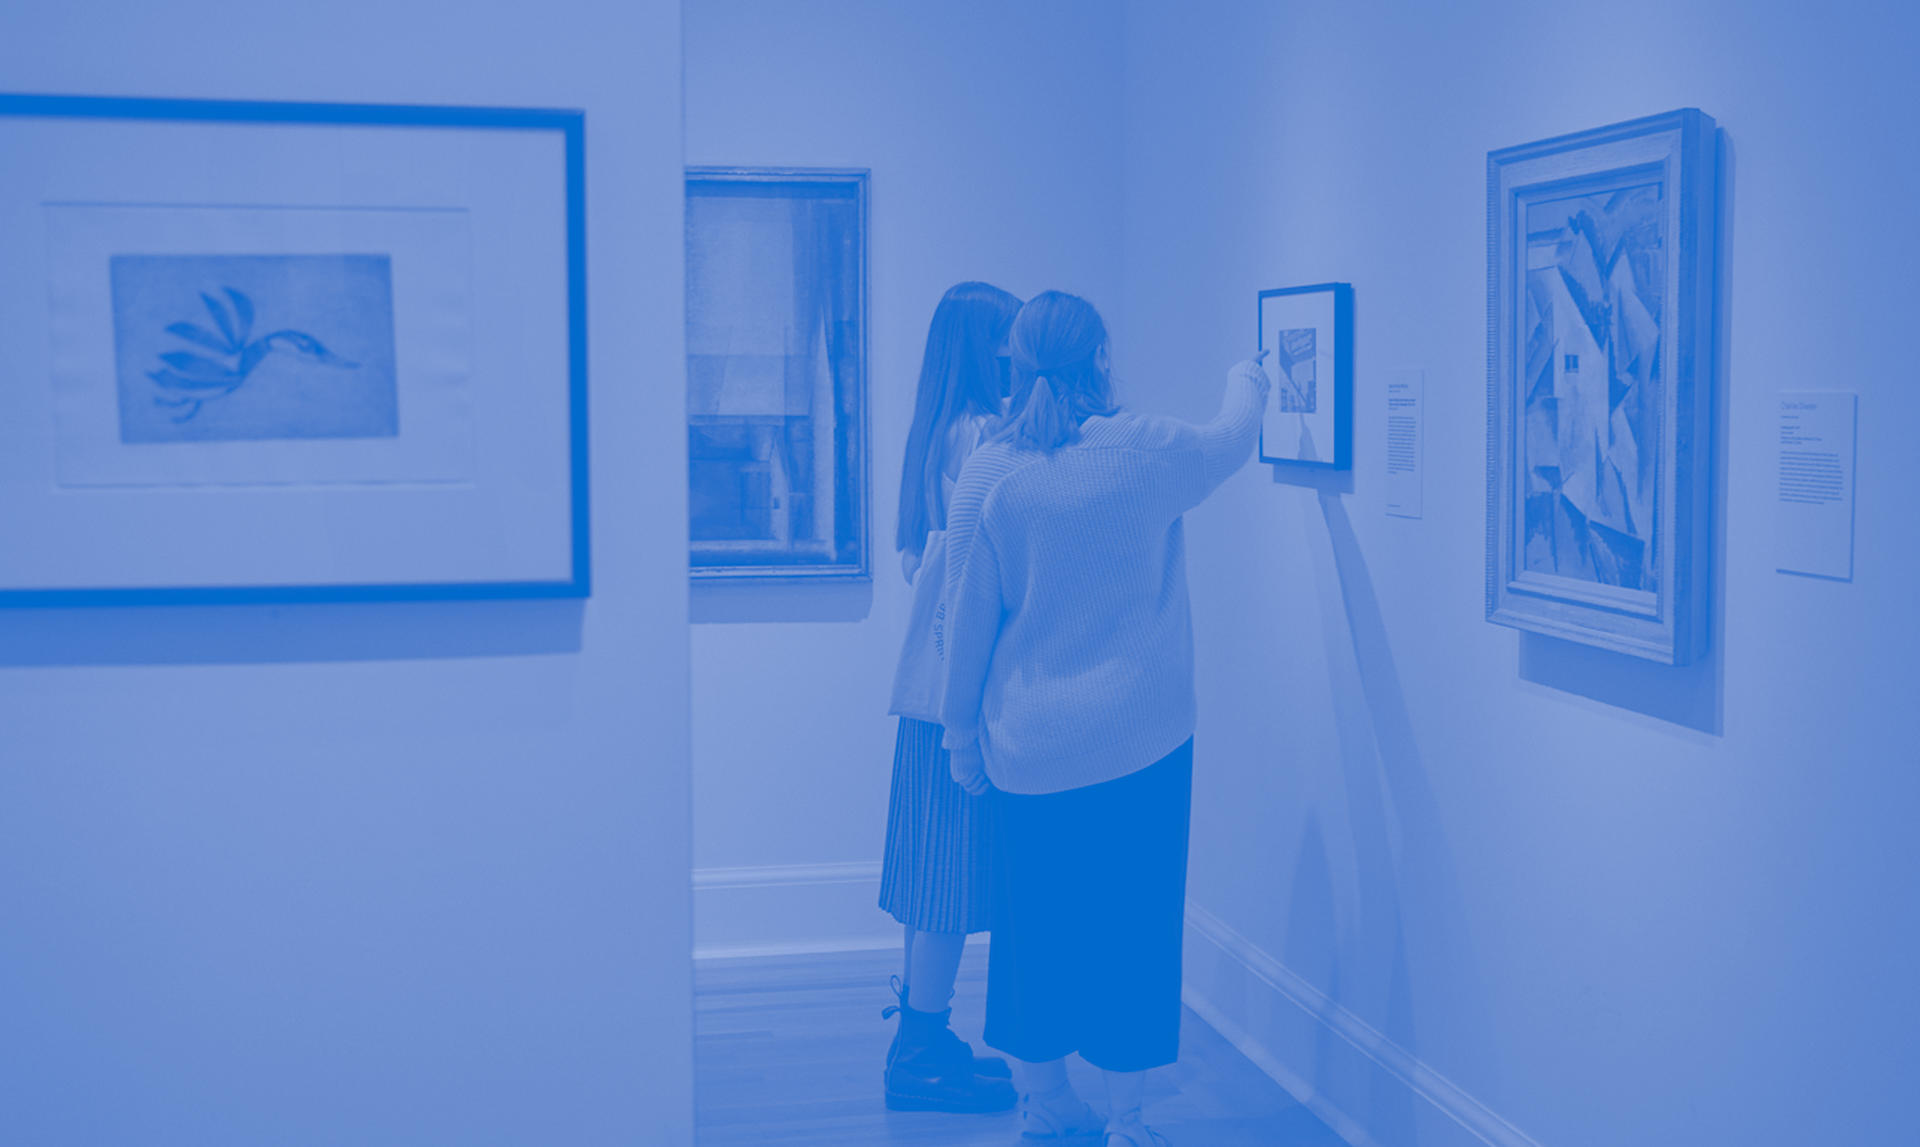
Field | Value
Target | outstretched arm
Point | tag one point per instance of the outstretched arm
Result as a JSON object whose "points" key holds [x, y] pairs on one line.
{"points": [[1227, 439]]}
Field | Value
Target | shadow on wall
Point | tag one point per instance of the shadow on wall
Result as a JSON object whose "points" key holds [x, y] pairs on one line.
{"points": [[1393, 820], [1691, 696], [272, 634]]}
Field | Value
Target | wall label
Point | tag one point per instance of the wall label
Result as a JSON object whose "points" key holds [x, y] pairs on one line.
{"points": [[1813, 508], [1406, 416]]}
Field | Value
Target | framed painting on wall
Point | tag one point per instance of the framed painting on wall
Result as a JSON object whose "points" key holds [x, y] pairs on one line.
{"points": [[1600, 312], [290, 352], [777, 373], [1308, 334]]}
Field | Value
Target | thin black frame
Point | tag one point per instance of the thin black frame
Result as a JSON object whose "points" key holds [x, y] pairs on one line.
{"points": [[859, 179], [1342, 372]]}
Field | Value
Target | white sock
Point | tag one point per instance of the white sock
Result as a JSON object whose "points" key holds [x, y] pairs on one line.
{"points": [[1039, 1078], [1126, 1090], [1058, 1111]]}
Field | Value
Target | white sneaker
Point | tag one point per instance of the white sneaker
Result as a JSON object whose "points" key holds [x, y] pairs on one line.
{"points": [[1065, 1122], [1136, 1135]]}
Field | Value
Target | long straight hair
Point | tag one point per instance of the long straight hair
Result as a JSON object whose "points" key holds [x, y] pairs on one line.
{"points": [[1058, 381], [959, 377]]}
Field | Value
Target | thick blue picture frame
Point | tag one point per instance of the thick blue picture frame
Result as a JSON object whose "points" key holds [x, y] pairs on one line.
{"points": [[1342, 372], [571, 125]]}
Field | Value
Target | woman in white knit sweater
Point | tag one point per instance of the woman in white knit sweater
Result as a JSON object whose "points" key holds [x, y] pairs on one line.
{"points": [[1069, 695]]}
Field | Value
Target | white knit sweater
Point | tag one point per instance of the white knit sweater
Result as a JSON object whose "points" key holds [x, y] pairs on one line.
{"points": [[1069, 636]]}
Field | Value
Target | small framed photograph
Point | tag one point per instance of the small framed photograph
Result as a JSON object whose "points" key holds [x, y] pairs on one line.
{"points": [[1308, 334], [1600, 312], [290, 352]]}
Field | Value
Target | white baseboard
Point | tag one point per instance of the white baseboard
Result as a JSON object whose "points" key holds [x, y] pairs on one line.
{"points": [[789, 910], [1329, 1059]]}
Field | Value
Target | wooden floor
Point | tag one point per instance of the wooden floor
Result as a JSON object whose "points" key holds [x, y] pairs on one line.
{"points": [[788, 1050]]}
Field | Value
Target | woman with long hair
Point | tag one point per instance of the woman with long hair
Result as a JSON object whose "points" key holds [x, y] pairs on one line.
{"points": [[935, 878], [1069, 698]]}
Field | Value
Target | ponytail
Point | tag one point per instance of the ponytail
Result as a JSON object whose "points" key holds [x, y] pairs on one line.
{"points": [[1045, 421], [1058, 382]]}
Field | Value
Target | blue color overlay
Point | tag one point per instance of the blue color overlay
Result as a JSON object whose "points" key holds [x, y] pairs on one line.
{"points": [[732, 573]]}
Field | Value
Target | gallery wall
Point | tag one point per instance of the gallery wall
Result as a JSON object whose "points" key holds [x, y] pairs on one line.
{"points": [[383, 874], [993, 137], [1455, 885]]}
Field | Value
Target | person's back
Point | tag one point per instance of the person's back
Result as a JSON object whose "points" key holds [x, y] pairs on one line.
{"points": [[1091, 676], [1071, 660]]}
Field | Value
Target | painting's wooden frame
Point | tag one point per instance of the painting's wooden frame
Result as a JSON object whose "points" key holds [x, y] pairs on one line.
{"points": [[1342, 390], [861, 568], [1668, 625], [570, 126]]}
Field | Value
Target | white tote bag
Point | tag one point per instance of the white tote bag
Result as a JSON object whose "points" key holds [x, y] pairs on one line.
{"points": [[921, 677]]}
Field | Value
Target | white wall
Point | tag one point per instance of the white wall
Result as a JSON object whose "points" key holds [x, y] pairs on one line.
{"points": [[1602, 901], [410, 874], [993, 134]]}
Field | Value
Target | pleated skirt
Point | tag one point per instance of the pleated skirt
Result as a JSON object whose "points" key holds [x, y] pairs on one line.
{"points": [[938, 872]]}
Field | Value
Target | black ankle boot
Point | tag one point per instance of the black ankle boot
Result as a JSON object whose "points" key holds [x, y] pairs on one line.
{"points": [[990, 1066], [931, 1069]]}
